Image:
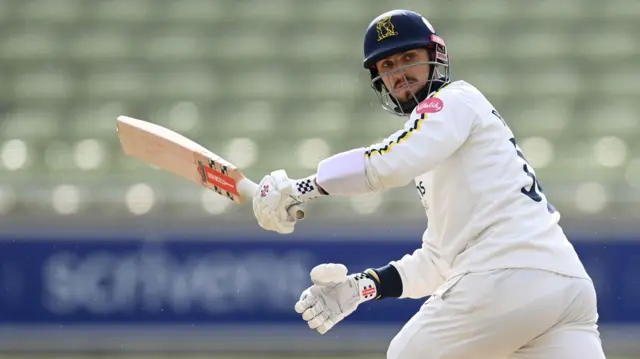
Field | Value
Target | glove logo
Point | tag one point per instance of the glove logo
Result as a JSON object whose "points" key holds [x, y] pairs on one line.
{"points": [[264, 191], [367, 291]]}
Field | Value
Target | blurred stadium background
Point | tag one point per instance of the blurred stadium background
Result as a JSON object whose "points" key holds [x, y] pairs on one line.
{"points": [[103, 255]]}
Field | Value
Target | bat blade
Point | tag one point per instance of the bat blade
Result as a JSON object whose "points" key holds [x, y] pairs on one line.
{"points": [[185, 158], [179, 155]]}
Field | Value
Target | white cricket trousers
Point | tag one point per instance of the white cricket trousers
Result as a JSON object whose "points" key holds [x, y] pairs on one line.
{"points": [[504, 314]]}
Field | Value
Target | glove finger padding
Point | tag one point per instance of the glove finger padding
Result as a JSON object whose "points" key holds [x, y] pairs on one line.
{"points": [[272, 215], [313, 311], [273, 203], [328, 274], [285, 227], [284, 185], [269, 221], [327, 325], [318, 321], [306, 301], [286, 202], [281, 182]]}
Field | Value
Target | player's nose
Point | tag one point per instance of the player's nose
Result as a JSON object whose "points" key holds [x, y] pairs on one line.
{"points": [[397, 79]]}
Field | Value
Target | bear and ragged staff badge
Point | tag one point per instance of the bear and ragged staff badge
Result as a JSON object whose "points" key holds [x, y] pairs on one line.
{"points": [[385, 28]]}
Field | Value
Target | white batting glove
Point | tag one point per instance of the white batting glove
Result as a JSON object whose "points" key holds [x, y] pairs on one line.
{"points": [[333, 296], [277, 193]]}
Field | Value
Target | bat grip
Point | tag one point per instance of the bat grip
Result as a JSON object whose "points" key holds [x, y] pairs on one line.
{"points": [[296, 211], [248, 189]]}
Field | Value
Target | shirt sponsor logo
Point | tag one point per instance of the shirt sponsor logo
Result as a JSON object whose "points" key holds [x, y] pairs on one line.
{"points": [[430, 105]]}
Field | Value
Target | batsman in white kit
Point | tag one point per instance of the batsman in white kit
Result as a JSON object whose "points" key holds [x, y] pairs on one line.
{"points": [[501, 277]]}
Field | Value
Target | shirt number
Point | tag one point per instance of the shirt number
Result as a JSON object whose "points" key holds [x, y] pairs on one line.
{"points": [[535, 192]]}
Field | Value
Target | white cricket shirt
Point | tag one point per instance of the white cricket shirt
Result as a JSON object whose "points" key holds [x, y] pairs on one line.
{"points": [[485, 210]]}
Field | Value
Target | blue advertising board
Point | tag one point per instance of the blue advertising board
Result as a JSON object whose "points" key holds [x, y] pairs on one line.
{"points": [[191, 280]]}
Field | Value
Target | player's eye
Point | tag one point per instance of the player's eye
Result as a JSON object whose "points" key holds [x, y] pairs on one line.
{"points": [[387, 64]]}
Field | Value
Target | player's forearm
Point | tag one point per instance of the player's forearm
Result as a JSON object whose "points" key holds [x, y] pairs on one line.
{"points": [[361, 171], [344, 174], [352, 173]]}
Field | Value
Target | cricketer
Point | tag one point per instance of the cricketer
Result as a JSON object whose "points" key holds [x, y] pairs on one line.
{"points": [[501, 277]]}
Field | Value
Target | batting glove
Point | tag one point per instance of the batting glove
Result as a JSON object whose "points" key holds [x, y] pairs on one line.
{"points": [[277, 193], [333, 295]]}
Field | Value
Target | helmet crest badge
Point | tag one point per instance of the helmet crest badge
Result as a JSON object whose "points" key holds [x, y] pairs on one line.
{"points": [[385, 28]]}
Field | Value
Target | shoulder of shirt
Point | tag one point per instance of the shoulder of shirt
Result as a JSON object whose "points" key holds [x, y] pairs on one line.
{"points": [[455, 93]]}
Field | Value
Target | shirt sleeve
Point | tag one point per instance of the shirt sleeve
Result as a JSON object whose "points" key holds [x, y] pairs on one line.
{"points": [[437, 127], [420, 275]]}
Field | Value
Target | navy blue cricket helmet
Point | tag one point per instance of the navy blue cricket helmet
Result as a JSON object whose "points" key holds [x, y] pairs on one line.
{"points": [[395, 32]]}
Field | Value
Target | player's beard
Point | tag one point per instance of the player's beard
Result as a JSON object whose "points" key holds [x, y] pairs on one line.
{"points": [[405, 90], [403, 105]]}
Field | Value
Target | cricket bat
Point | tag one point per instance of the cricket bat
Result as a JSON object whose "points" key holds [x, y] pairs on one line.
{"points": [[185, 158]]}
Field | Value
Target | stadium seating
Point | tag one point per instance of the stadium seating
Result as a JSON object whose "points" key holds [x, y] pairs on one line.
{"points": [[280, 85]]}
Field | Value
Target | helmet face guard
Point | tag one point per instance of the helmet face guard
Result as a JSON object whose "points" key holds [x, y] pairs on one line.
{"points": [[438, 75], [395, 32]]}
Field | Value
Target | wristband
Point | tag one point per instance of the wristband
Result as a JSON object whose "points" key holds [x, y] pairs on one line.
{"points": [[388, 281]]}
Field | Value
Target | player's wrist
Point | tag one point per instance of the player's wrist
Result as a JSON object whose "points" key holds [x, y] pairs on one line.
{"points": [[322, 190], [307, 188], [388, 281]]}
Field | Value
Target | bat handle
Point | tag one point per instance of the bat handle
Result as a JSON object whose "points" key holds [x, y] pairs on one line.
{"points": [[296, 211], [248, 189]]}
